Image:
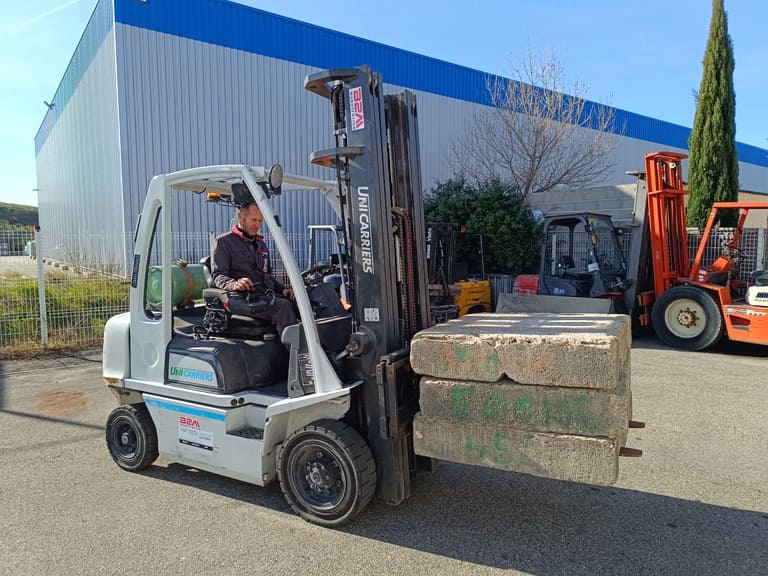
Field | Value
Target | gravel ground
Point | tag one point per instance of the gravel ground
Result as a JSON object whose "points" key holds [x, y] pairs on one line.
{"points": [[696, 502], [19, 264]]}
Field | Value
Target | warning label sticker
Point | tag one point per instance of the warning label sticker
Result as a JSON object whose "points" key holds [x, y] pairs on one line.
{"points": [[191, 434], [356, 107]]}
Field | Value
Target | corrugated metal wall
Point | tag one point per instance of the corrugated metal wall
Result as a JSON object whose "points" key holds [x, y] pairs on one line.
{"points": [[213, 82], [184, 104], [79, 169]]}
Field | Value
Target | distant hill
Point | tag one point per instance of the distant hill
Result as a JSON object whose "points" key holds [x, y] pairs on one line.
{"points": [[17, 216]]}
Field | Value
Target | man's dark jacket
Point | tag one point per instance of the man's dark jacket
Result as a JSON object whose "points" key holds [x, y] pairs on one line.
{"points": [[236, 256]]}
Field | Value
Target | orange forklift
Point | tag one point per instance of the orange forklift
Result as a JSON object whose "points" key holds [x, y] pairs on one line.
{"points": [[692, 305]]}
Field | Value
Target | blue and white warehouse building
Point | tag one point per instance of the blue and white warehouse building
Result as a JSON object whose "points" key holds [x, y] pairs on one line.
{"points": [[160, 85]]}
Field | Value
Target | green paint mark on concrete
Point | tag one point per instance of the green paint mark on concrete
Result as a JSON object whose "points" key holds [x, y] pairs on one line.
{"points": [[471, 447], [576, 412], [571, 412], [492, 362], [503, 457], [461, 354], [460, 403], [528, 442], [495, 407], [523, 409], [498, 441]]}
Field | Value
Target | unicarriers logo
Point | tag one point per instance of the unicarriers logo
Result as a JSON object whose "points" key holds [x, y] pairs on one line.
{"points": [[364, 219], [356, 106], [192, 374]]}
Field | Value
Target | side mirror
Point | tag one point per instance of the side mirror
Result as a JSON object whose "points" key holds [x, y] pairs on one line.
{"points": [[275, 178]]}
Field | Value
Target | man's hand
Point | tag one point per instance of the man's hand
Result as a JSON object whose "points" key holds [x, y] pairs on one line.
{"points": [[243, 285], [288, 293]]}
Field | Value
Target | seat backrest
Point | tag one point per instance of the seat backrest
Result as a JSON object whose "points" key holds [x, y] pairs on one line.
{"points": [[759, 277], [206, 262], [566, 261]]}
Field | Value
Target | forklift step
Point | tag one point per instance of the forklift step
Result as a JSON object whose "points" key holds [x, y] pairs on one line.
{"points": [[249, 433]]}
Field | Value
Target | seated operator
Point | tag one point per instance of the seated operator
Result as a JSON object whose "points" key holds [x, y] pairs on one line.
{"points": [[241, 263]]}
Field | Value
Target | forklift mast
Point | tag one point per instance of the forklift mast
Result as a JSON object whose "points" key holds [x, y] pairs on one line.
{"points": [[376, 158], [666, 219]]}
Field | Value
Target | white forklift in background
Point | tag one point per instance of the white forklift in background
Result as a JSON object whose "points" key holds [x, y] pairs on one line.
{"points": [[326, 408], [327, 258]]}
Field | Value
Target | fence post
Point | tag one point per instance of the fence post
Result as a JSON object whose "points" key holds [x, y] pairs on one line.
{"points": [[41, 289]]}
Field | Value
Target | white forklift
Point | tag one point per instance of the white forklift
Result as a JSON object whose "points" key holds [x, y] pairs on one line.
{"points": [[327, 258], [325, 408]]}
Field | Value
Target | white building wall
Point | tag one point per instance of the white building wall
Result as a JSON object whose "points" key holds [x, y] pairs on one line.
{"points": [[184, 103], [153, 102], [79, 171]]}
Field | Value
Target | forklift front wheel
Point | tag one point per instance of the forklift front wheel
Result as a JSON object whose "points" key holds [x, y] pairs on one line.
{"points": [[688, 318], [131, 437], [327, 472]]}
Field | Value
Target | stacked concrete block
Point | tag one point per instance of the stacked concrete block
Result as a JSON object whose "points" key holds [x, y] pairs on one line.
{"points": [[544, 394]]}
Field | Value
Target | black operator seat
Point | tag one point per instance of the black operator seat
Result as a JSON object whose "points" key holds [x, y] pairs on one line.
{"points": [[759, 278], [566, 262], [236, 314]]}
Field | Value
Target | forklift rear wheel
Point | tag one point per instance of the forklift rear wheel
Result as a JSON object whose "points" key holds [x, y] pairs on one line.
{"points": [[131, 437], [327, 472], [687, 317]]}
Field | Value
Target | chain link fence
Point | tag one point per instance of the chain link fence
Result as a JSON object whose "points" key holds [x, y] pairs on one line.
{"points": [[52, 304], [62, 300], [64, 303]]}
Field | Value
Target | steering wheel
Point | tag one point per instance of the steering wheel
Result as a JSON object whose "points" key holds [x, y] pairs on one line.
{"points": [[311, 277], [738, 253]]}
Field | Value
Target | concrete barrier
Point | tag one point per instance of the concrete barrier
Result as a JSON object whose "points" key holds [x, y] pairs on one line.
{"points": [[566, 350], [515, 303], [559, 456], [535, 408]]}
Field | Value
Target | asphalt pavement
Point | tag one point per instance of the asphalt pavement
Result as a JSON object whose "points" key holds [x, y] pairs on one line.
{"points": [[695, 503]]}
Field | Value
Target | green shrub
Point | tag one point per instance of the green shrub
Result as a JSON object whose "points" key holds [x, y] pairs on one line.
{"points": [[495, 210], [77, 310]]}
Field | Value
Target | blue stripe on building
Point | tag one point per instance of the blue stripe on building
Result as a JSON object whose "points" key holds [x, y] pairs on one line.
{"points": [[239, 27]]}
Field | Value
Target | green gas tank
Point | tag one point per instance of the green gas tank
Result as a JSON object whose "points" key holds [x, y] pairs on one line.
{"points": [[187, 283]]}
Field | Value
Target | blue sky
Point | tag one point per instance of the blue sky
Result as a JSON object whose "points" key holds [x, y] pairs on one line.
{"points": [[634, 55]]}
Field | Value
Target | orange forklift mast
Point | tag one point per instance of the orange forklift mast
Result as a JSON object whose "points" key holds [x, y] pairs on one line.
{"points": [[692, 305], [666, 219]]}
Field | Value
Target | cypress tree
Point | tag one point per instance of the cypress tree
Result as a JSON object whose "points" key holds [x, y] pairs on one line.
{"points": [[713, 170]]}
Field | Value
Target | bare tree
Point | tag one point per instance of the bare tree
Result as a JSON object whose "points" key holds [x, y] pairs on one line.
{"points": [[536, 137]]}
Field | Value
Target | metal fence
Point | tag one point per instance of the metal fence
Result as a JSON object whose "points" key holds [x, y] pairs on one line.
{"points": [[753, 246], [47, 304], [63, 303], [63, 299]]}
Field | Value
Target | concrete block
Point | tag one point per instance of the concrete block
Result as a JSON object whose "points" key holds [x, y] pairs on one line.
{"points": [[580, 411], [527, 303], [559, 456], [570, 350]]}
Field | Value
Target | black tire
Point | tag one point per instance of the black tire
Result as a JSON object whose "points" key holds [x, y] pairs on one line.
{"points": [[131, 437], [327, 473], [687, 317]]}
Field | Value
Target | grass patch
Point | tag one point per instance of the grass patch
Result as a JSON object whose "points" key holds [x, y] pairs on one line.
{"points": [[77, 309]]}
